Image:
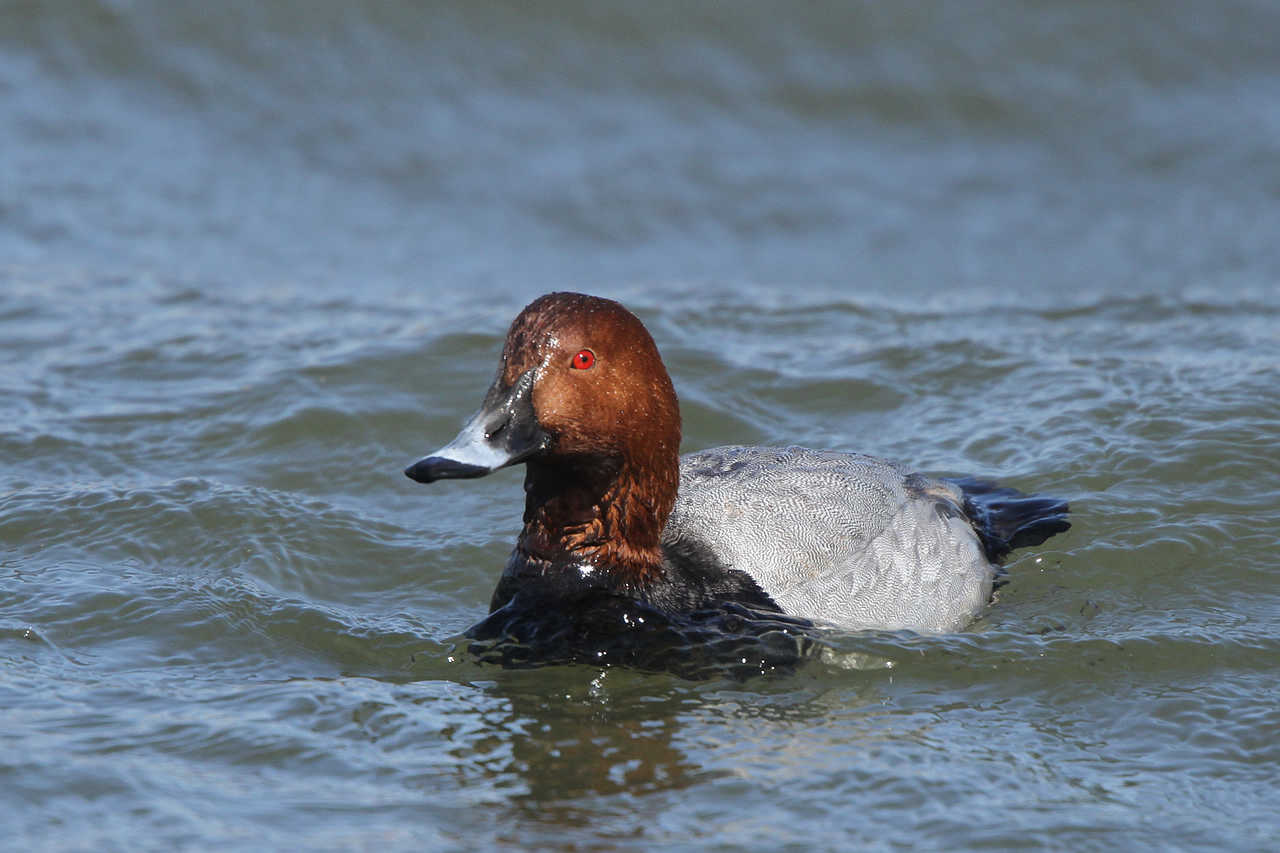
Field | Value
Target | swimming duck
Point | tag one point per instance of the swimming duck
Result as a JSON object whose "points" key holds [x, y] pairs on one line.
{"points": [[614, 513]]}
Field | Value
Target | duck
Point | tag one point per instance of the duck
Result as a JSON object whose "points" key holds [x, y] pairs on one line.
{"points": [[619, 527]]}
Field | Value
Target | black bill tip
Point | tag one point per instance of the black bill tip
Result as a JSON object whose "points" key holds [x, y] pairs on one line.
{"points": [[434, 468]]}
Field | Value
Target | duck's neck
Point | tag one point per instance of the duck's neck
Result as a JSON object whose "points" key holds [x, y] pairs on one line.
{"points": [[598, 516]]}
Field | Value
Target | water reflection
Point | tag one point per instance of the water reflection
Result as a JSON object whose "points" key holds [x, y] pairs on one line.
{"points": [[574, 744]]}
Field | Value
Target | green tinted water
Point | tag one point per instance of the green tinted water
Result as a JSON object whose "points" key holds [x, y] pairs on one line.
{"points": [[256, 264]]}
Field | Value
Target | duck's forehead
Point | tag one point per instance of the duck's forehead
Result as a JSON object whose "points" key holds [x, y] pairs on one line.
{"points": [[562, 322], [535, 337]]}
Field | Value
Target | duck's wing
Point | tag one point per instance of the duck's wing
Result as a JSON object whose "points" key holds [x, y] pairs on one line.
{"points": [[845, 538]]}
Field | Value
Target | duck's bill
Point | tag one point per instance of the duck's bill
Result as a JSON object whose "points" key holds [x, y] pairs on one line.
{"points": [[503, 432]]}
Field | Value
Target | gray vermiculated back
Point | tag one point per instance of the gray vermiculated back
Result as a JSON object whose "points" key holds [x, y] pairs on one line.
{"points": [[845, 538]]}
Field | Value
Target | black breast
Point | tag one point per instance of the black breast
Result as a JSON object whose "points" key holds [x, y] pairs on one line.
{"points": [[701, 620]]}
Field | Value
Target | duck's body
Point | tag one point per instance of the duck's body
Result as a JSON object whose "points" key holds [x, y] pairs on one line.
{"points": [[613, 513], [849, 539]]}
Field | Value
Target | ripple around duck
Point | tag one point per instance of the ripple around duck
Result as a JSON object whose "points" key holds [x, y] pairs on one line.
{"points": [[276, 247], [155, 567]]}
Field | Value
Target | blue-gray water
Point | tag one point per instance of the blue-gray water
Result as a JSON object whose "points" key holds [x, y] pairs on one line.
{"points": [[256, 257]]}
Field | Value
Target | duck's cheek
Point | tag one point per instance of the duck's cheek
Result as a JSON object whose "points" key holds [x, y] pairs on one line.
{"points": [[564, 435], [554, 405], [570, 434]]}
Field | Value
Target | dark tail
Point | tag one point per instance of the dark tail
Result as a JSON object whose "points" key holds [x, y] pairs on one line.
{"points": [[1006, 518]]}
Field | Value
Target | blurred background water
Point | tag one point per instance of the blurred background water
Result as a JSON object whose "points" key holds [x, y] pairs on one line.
{"points": [[256, 257]]}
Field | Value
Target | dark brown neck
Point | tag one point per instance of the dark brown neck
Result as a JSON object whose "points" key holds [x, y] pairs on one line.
{"points": [[597, 512]]}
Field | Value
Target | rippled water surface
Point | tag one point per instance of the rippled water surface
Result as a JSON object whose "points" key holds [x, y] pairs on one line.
{"points": [[255, 260]]}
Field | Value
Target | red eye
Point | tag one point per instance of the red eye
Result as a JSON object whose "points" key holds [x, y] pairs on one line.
{"points": [[584, 359]]}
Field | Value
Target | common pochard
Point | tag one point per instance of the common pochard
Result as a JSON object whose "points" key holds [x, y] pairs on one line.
{"points": [[613, 512]]}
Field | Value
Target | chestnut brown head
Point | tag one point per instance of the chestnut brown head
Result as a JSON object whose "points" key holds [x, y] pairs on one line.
{"points": [[580, 378]]}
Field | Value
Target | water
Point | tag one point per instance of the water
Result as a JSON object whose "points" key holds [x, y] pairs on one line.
{"points": [[255, 260]]}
